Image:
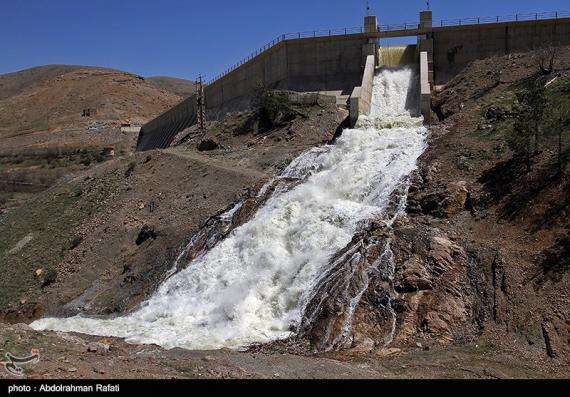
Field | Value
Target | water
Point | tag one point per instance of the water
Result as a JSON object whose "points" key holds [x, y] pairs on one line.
{"points": [[255, 284], [398, 55]]}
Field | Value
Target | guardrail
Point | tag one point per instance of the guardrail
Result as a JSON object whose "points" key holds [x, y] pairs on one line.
{"points": [[394, 27], [505, 18], [290, 36]]}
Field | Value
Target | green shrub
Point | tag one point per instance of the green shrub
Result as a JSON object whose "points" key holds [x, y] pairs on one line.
{"points": [[272, 108]]}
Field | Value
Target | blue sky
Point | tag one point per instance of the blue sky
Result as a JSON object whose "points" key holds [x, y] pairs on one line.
{"points": [[185, 38]]}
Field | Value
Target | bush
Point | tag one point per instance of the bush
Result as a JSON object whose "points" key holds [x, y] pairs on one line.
{"points": [[130, 169], [50, 277], [272, 108], [75, 242]]}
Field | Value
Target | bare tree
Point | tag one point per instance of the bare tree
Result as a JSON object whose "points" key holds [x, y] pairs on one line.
{"points": [[545, 59]]}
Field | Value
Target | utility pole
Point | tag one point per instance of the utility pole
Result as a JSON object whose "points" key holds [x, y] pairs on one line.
{"points": [[200, 104]]}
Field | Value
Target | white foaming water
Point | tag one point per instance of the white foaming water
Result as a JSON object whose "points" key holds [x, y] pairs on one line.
{"points": [[254, 285]]}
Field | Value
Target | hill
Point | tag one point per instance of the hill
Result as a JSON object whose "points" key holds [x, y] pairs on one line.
{"points": [[40, 101], [181, 87], [56, 119]]}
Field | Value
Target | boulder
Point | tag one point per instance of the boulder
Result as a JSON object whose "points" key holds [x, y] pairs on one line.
{"points": [[208, 144], [456, 197], [145, 233]]}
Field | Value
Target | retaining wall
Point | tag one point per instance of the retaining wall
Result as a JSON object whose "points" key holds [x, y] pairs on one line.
{"points": [[361, 97], [425, 88]]}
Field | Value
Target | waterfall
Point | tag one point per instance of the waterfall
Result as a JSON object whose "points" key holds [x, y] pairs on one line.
{"points": [[255, 284], [398, 55]]}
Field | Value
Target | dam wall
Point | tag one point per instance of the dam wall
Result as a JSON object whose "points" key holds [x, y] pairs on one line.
{"points": [[454, 47], [330, 63], [308, 64]]}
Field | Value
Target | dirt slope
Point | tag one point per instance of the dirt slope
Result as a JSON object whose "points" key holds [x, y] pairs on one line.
{"points": [[47, 106]]}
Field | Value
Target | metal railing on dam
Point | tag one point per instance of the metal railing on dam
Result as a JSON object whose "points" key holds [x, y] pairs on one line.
{"points": [[505, 18]]}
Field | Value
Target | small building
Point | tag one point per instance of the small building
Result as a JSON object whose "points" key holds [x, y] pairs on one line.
{"points": [[128, 127]]}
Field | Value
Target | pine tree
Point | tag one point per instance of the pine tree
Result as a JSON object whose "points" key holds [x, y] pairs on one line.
{"points": [[531, 108]]}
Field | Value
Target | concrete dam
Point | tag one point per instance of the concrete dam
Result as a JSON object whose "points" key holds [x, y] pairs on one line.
{"points": [[342, 63]]}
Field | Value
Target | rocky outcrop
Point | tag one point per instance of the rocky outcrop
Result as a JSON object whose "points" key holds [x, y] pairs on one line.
{"points": [[442, 201], [430, 273]]}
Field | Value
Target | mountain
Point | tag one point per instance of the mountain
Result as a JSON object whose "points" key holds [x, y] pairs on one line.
{"points": [[56, 119], [70, 99]]}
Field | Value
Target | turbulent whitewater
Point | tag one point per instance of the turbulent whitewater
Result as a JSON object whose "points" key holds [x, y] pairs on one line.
{"points": [[254, 285]]}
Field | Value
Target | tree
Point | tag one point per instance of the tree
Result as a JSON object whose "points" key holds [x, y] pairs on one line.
{"points": [[560, 127], [530, 109], [545, 60], [520, 138]]}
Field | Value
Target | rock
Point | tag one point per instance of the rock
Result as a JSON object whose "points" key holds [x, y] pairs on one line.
{"points": [[72, 369], [98, 347], [208, 144], [444, 252], [390, 351], [49, 277], [456, 197], [415, 277], [362, 344], [145, 233], [495, 113], [39, 272], [464, 164]]}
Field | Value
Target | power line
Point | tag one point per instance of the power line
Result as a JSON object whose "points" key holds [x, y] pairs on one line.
{"points": [[200, 103]]}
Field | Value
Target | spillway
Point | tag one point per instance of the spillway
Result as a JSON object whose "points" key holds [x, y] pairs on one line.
{"points": [[254, 285]]}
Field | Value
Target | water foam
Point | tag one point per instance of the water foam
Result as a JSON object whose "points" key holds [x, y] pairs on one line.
{"points": [[254, 285]]}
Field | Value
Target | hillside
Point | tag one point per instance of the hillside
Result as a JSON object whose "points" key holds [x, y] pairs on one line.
{"points": [[49, 102], [56, 119], [181, 87]]}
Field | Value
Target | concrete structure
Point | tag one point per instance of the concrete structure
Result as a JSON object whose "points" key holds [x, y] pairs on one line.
{"points": [[455, 47], [425, 88], [336, 62], [451, 48], [306, 64], [362, 96]]}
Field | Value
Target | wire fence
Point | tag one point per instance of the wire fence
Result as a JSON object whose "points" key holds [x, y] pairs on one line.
{"points": [[393, 28]]}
